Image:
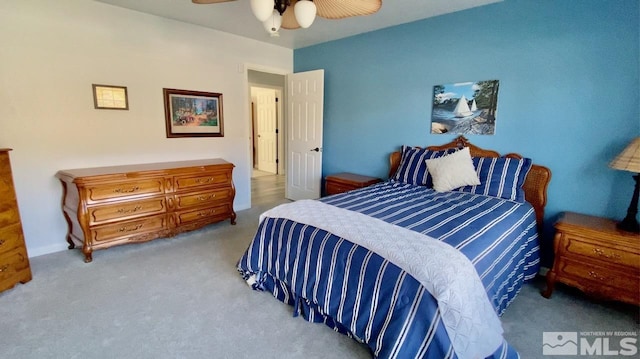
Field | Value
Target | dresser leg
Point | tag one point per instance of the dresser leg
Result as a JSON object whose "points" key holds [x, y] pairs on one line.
{"points": [[88, 254], [70, 241], [233, 217], [551, 282]]}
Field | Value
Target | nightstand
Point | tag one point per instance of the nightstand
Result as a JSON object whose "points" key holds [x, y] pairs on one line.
{"points": [[591, 254], [343, 182]]}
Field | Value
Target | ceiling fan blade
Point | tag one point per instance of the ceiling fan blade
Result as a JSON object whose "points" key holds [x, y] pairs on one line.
{"points": [[209, 1], [289, 21], [339, 9]]}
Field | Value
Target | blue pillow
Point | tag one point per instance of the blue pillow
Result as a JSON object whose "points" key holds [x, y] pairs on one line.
{"points": [[500, 177], [413, 165]]}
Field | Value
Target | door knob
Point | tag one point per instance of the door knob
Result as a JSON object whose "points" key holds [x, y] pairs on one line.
{"points": [[316, 149]]}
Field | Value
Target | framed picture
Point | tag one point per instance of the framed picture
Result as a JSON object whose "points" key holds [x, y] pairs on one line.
{"points": [[107, 97], [193, 113], [465, 108]]}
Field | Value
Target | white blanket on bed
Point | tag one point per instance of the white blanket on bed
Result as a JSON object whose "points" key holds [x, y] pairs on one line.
{"points": [[471, 322]]}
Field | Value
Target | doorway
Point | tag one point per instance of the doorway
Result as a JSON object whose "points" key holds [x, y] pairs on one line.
{"points": [[266, 97], [266, 110]]}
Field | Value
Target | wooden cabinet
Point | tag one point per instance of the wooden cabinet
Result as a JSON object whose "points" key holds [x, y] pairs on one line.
{"points": [[343, 182], [592, 255], [109, 206], [14, 261]]}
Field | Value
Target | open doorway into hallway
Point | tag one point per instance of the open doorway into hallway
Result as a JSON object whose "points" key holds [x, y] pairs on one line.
{"points": [[267, 118]]}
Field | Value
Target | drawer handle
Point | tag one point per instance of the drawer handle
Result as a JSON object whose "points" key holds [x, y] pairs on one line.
{"points": [[2, 241], [210, 212], [134, 210], [122, 190], [597, 276], [600, 253], [200, 180], [4, 268], [206, 198], [130, 229]]}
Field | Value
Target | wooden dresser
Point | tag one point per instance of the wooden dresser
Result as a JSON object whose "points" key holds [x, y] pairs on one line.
{"points": [[592, 255], [14, 261], [343, 182], [109, 206]]}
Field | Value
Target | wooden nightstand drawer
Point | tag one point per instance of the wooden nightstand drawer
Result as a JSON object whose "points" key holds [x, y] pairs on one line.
{"points": [[335, 188], [583, 247], [600, 275], [600, 281], [344, 182]]}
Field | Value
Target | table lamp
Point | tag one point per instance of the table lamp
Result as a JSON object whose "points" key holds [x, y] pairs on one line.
{"points": [[629, 160]]}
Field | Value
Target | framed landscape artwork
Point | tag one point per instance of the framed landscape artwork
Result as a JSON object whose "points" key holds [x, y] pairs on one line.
{"points": [[193, 113], [465, 108]]}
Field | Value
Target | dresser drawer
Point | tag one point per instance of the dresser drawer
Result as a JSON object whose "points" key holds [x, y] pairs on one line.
{"points": [[204, 214], [8, 209], [207, 198], [122, 230], [11, 237], [5, 166], [126, 210], [14, 267], [202, 180], [120, 190], [577, 245]]}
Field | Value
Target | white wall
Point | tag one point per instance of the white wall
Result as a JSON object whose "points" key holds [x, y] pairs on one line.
{"points": [[50, 54]]}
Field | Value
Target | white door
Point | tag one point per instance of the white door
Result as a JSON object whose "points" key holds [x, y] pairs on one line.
{"points": [[304, 134], [266, 129]]}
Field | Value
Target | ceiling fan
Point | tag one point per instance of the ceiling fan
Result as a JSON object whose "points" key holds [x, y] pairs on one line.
{"points": [[294, 14]]}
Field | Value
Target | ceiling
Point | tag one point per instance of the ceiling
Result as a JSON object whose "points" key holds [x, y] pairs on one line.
{"points": [[236, 17]]}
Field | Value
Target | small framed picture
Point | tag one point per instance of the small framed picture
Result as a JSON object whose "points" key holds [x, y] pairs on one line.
{"points": [[193, 113], [107, 97]]}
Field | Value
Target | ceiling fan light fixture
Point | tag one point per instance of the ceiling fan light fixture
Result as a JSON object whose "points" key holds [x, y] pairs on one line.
{"points": [[273, 23], [305, 11], [295, 14], [262, 9]]}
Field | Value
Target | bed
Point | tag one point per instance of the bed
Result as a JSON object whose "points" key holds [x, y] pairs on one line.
{"points": [[411, 271]]}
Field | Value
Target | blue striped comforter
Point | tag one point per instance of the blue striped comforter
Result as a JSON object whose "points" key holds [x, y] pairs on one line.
{"points": [[328, 279]]}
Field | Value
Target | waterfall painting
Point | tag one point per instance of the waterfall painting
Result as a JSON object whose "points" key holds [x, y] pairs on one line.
{"points": [[465, 108]]}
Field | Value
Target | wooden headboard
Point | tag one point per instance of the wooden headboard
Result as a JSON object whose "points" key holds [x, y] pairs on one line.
{"points": [[535, 185]]}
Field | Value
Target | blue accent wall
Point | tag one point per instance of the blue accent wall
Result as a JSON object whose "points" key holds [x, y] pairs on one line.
{"points": [[569, 93]]}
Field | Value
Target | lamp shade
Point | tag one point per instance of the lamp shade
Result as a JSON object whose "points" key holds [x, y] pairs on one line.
{"points": [[305, 11], [629, 159], [262, 9], [273, 23]]}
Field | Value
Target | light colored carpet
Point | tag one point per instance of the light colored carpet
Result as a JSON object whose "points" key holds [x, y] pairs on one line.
{"points": [[183, 298]]}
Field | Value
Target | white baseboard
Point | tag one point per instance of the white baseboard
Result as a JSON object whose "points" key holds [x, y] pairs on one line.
{"points": [[40, 251]]}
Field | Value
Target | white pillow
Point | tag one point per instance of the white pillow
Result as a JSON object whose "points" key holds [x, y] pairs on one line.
{"points": [[453, 171]]}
